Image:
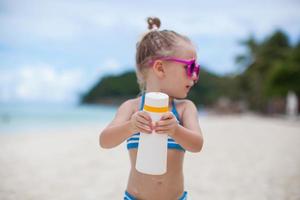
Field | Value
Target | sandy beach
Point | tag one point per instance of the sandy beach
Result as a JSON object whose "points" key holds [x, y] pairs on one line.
{"points": [[244, 157]]}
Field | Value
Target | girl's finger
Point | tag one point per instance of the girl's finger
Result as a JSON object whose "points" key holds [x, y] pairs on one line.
{"points": [[166, 116], [145, 115], [164, 128], [164, 122], [143, 128], [143, 125], [143, 121]]}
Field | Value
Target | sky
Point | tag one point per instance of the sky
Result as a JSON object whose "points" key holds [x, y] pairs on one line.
{"points": [[55, 50]]}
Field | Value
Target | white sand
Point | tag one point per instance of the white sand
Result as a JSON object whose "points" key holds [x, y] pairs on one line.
{"points": [[247, 157]]}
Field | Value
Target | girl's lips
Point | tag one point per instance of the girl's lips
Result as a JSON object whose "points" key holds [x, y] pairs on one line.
{"points": [[188, 87]]}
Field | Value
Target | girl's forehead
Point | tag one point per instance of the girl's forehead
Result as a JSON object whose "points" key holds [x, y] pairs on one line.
{"points": [[186, 51]]}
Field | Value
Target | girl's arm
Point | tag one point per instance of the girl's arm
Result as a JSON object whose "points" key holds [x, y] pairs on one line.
{"points": [[119, 129], [189, 136], [126, 122]]}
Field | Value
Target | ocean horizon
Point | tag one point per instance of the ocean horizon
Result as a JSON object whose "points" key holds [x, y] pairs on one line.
{"points": [[24, 117], [28, 117]]}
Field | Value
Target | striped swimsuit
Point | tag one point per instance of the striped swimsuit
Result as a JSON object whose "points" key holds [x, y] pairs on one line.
{"points": [[133, 141]]}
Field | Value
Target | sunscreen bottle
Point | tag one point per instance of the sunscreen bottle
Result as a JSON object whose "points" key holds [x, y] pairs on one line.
{"points": [[153, 148]]}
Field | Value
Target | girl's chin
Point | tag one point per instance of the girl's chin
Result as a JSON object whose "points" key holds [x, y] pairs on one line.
{"points": [[181, 96]]}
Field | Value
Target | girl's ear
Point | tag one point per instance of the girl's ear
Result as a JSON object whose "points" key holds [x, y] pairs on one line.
{"points": [[158, 68]]}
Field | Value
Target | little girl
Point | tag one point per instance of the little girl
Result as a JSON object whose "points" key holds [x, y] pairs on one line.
{"points": [[166, 62]]}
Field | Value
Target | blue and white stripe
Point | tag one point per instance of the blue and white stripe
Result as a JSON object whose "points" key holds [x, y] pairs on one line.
{"points": [[133, 142], [128, 196]]}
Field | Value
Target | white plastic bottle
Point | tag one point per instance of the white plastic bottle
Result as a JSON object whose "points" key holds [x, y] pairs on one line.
{"points": [[153, 148]]}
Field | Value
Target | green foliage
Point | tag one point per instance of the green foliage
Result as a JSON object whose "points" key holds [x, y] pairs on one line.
{"points": [[211, 87], [286, 75], [114, 87], [272, 69]]}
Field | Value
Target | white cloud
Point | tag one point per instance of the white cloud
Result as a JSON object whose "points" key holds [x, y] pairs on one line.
{"points": [[110, 66], [40, 82]]}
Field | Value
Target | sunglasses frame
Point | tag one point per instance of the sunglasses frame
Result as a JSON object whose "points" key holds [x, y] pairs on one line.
{"points": [[190, 70]]}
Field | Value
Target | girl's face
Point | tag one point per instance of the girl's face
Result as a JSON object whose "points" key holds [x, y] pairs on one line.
{"points": [[177, 83]]}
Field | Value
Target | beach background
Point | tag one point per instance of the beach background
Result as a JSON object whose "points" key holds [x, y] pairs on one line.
{"points": [[65, 66], [54, 154]]}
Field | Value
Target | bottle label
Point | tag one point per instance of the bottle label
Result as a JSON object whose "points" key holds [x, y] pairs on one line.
{"points": [[155, 109]]}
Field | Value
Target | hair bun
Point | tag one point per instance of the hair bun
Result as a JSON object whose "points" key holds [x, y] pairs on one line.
{"points": [[153, 23]]}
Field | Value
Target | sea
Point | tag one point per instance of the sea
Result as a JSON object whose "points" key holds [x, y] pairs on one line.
{"points": [[45, 117], [28, 117]]}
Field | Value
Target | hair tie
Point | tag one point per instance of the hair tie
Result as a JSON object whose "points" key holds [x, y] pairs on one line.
{"points": [[154, 27]]}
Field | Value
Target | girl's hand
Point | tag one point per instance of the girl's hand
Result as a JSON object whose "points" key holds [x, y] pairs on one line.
{"points": [[167, 124], [141, 122]]}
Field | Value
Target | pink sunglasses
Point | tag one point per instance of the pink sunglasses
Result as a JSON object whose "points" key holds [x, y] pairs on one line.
{"points": [[191, 65]]}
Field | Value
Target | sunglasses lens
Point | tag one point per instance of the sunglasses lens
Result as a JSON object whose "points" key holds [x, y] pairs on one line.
{"points": [[198, 70], [190, 69]]}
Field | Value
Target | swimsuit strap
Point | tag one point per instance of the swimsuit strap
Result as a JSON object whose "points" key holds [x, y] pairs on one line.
{"points": [[174, 110], [143, 101]]}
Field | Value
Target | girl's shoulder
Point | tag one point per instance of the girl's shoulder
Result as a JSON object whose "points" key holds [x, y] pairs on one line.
{"points": [[132, 104], [126, 109], [183, 105]]}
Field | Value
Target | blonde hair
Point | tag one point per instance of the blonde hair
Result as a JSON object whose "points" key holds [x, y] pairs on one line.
{"points": [[154, 44]]}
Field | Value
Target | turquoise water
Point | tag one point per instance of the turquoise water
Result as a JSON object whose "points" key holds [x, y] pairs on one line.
{"points": [[28, 117], [21, 118]]}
